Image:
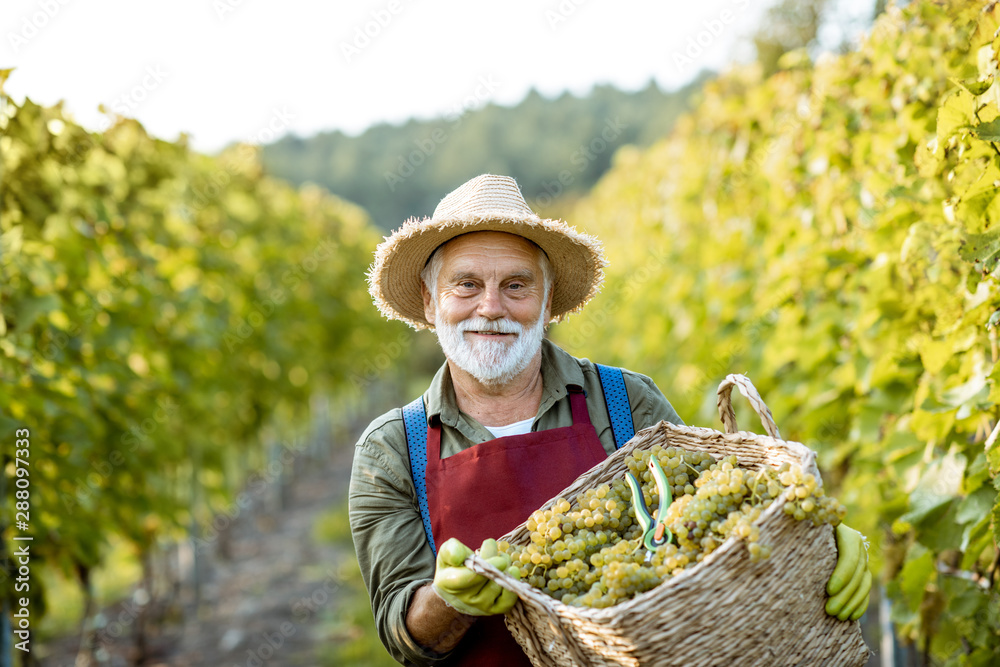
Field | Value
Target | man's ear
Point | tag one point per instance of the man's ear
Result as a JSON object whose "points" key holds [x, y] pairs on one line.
{"points": [[428, 303]]}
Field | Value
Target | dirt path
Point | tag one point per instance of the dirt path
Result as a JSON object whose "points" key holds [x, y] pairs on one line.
{"points": [[261, 607]]}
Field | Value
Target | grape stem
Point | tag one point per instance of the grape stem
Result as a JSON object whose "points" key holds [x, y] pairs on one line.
{"points": [[754, 498]]}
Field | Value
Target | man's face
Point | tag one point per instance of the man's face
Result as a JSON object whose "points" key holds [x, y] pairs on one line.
{"points": [[492, 306]]}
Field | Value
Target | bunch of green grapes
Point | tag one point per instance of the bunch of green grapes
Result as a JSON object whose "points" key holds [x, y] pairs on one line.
{"points": [[681, 467], [727, 501], [806, 500], [562, 541], [590, 552]]}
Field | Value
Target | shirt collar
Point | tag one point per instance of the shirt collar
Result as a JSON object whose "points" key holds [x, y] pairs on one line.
{"points": [[559, 370]]}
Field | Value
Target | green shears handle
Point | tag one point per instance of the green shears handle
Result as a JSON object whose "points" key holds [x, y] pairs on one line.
{"points": [[654, 532]]}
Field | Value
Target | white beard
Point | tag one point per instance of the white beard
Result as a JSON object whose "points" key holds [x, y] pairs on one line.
{"points": [[491, 362]]}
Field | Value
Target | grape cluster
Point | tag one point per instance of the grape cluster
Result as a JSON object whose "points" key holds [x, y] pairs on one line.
{"points": [[727, 502], [590, 553], [805, 500], [559, 555]]}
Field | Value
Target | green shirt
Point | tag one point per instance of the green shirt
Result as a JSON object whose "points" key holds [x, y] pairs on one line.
{"points": [[393, 553]]}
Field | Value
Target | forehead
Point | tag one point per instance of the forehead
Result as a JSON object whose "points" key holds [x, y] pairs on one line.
{"points": [[490, 250]]}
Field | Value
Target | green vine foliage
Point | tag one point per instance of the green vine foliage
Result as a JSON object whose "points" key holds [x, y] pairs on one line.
{"points": [[159, 309], [831, 231]]}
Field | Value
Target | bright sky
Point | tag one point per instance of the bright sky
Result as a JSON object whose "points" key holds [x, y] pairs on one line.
{"points": [[226, 70]]}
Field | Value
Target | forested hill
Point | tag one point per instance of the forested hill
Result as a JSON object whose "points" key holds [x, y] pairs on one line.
{"points": [[552, 147]]}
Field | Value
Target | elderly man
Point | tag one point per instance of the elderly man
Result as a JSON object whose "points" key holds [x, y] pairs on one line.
{"points": [[508, 422]]}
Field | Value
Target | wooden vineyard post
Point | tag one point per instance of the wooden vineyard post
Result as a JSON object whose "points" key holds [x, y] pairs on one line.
{"points": [[195, 532]]}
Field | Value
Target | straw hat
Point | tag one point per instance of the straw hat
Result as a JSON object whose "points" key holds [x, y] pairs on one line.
{"points": [[486, 203]]}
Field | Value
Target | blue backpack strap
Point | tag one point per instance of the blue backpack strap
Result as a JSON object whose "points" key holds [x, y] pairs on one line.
{"points": [[415, 424], [616, 398]]}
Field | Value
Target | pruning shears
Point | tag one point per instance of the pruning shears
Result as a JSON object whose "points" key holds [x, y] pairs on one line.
{"points": [[655, 532]]}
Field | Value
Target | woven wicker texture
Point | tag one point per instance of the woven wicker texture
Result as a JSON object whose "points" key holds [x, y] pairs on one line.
{"points": [[725, 611], [486, 203]]}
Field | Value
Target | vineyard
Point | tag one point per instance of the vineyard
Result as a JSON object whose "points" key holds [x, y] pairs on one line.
{"points": [[173, 324], [170, 325], [830, 231]]}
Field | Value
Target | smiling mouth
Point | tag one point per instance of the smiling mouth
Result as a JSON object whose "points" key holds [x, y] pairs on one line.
{"points": [[490, 333]]}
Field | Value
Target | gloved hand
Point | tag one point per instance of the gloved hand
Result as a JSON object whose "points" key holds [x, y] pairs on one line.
{"points": [[467, 591], [851, 581]]}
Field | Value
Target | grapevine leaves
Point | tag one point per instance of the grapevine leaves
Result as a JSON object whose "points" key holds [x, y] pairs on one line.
{"points": [[857, 204], [988, 131], [938, 486], [916, 574], [983, 250], [144, 348], [975, 87], [954, 116]]}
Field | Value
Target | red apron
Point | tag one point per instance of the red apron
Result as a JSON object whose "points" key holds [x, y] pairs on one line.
{"points": [[491, 488]]}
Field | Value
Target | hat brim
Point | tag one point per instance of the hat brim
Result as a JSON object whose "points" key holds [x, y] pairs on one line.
{"points": [[394, 277]]}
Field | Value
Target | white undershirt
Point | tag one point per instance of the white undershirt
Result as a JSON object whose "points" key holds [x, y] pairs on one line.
{"points": [[517, 428]]}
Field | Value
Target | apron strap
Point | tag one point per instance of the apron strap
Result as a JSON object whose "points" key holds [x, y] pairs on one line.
{"points": [[578, 402], [616, 398], [415, 425]]}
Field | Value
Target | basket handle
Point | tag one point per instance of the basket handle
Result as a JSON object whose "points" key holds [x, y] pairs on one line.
{"points": [[479, 565], [725, 404]]}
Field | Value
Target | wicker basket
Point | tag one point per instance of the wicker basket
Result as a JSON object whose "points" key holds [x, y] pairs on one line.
{"points": [[725, 611]]}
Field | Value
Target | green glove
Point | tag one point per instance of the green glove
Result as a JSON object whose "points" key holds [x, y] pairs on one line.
{"points": [[851, 582], [467, 591]]}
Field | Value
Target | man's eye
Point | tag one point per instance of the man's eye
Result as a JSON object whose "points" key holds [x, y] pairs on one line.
{"points": [[467, 284]]}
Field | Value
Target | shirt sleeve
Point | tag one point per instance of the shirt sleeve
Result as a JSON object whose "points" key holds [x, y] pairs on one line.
{"points": [[393, 553], [649, 405]]}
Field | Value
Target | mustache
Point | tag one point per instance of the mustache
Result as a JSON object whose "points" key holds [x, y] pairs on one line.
{"points": [[490, 326]]}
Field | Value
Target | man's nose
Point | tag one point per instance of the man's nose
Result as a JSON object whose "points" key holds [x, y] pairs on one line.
{"points": [[491, 305]]}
